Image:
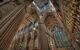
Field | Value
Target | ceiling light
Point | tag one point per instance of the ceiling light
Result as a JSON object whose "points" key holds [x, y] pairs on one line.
{"points": [[34, 28]]}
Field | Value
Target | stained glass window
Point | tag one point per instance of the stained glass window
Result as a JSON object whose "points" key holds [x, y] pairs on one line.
{"points": [[61, 38]]}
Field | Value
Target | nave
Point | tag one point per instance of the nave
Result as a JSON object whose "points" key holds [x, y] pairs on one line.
{"points": [[39, 25]]}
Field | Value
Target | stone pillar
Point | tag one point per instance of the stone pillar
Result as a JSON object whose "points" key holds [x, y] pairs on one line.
{"points": [[31, 44], [42, 38]]}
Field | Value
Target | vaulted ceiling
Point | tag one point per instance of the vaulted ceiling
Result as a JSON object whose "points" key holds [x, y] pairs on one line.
{"points": [[32, 14]]}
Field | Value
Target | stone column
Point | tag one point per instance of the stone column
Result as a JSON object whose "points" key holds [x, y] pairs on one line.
{"points": [[42, 38], [31, 44]]}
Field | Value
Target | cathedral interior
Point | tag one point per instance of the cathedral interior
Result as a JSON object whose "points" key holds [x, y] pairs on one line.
{"points": [[39, 24]]}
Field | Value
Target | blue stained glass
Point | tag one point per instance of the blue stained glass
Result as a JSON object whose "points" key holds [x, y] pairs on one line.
{"points": [[61, 38]]}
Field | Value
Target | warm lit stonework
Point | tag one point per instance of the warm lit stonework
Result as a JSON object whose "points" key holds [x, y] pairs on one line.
{"points": [[39, 24]]}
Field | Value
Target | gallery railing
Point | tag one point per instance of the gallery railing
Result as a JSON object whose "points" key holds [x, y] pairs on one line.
{"points": [[9, 26]]}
